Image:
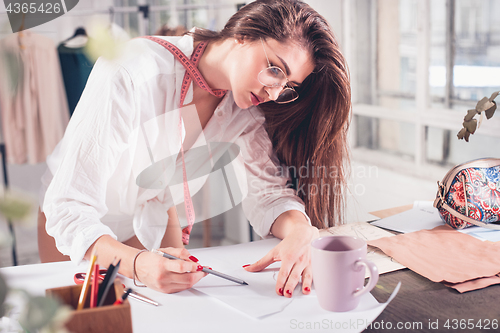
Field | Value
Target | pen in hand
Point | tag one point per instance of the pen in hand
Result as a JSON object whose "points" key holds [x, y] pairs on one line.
{"points": [[205, 270]]}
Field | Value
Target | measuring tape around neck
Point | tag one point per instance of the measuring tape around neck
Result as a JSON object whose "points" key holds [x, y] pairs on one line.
{"points": [[192, 73]]}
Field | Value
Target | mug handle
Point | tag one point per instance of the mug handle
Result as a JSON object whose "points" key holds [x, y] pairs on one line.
{"points": [[372, 281]]}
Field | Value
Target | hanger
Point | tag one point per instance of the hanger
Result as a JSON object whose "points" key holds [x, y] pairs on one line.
{"points": [[79, 39], [80, 31], [111, 16], [111, 11]]}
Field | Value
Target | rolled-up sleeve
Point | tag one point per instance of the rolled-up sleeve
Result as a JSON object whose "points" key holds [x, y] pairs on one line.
{"points": [[268, 194], [85, 159]]}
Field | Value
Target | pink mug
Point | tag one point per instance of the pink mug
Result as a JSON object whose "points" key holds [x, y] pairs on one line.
{"points": [[338, 272]]}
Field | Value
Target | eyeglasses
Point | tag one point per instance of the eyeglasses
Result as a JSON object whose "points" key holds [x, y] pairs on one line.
{"points": [[273, 77]]}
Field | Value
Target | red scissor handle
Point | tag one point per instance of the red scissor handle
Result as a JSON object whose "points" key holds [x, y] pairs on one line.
{"points": [[80, 277]]}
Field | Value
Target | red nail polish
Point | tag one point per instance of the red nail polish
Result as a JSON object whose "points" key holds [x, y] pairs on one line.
{"points": [[210, 268], [288, 292], [281, 291], [246, 265], [199, 268], [307, 289], [193, 258]]}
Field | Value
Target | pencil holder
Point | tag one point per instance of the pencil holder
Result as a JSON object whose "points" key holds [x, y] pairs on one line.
{"points": [[105, 318]]}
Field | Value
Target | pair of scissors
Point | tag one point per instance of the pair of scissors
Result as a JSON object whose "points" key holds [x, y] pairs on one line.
{"points": [[80, 277]]}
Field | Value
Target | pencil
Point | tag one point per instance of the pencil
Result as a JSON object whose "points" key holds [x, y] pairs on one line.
{"points": [[105, 282], [85, 286], [95, 287], [143, 298], [206, 270], [112, 275]]}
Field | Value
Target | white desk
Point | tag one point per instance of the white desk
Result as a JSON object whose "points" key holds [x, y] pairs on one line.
{"points": [[194, 311]]}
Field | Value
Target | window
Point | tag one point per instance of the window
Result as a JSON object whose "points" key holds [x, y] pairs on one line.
{"points": [[425, 67], [210, 14]]}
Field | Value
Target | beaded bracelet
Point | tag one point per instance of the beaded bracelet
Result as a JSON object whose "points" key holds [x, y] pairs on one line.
{"points": [[134, 275]]}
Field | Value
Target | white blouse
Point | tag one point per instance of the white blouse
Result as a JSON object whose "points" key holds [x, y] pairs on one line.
{"points": [[109, 174]]}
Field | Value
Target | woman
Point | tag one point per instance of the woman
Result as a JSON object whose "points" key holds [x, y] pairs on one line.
{"points": [[279, 55]]}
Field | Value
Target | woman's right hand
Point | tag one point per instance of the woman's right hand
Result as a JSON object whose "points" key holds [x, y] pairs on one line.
{"points": [[167, 275]]}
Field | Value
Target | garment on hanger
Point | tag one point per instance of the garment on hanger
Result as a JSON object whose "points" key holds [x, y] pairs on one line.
{"points": [[32, 98], [79, 39], [75, 66]]}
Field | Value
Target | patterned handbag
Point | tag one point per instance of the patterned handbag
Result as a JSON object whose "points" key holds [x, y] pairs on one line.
{"points": [[469, 194]]}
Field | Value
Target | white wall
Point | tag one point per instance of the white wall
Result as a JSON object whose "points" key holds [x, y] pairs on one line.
{"points": [[331, 10]]}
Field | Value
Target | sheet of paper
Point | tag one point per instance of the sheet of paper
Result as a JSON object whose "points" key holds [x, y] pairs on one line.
{"points": [[411, 220], [423, 204], [258, 300], [482, 233], [309, 313], [363, 230], [367, 231], [304, 313]]}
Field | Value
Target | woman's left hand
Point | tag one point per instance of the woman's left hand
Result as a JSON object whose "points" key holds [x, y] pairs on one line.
{"points": [[294, 252]]}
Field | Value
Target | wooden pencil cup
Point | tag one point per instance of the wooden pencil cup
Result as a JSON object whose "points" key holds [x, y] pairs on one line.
{"points": [[105, 318]]}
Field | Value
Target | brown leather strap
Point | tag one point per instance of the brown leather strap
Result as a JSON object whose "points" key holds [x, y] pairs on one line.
{"points": [[479, 163], [461, 216]]}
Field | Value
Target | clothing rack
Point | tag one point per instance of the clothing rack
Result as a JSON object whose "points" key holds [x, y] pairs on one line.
{"points": [[146, 9]]}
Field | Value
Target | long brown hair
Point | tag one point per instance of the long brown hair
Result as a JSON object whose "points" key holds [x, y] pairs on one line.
{"points": [[311, 132]]}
